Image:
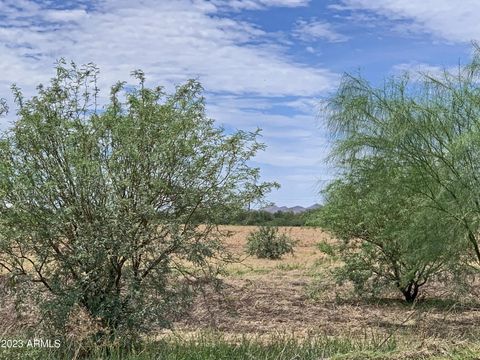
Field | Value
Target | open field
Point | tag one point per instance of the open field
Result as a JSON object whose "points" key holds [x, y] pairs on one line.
{"points": [[296, 295], [291, 309]]}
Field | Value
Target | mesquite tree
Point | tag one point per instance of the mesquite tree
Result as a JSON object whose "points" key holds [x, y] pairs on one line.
{"points": [[389, 237], [430, 124], [100, 207], [410, 155]]}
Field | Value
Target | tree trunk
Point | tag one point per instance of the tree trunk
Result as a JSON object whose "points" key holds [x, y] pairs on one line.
{"points": [[410, 292]]}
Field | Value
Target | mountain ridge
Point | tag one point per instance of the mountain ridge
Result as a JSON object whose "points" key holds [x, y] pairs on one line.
{"points": [[294, 209]]}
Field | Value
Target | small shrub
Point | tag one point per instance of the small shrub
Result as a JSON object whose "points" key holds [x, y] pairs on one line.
{"points": [[267, 243], [326, 248]]}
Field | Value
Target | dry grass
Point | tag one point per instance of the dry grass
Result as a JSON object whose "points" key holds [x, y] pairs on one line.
{"points": [[297, 296], [284, 296], [306, 255]]}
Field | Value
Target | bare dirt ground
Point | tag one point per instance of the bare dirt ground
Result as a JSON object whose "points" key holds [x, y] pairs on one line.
{"points": [[296, 295]]}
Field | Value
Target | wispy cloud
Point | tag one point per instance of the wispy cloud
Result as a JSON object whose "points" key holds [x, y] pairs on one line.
{"points": [[313, 30], [444, 19], [170, 40], [250, 78], [417, 69], [259, 4]]}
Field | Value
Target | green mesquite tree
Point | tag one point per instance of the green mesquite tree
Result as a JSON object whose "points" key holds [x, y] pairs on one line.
{"points": [[420, 140], [99, 208], [389, 237], [431, 125]]}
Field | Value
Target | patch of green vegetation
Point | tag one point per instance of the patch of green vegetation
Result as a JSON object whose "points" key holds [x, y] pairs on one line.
{"points": [[268, 243], [215, 346], [321, 267], [107, 203], [470, 352], [326, 248], [261, 217], [290, 267], [248, 271]]}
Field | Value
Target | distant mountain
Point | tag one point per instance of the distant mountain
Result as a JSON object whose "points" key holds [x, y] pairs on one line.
{"points": [[295, 209]]}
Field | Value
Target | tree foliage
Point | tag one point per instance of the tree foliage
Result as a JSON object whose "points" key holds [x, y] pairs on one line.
{"points": [[98, 205], [410, 159], [390, 238], [261, 217], [430, 124]]}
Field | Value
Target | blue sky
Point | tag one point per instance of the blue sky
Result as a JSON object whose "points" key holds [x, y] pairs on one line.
{"points": [[263, 63]]}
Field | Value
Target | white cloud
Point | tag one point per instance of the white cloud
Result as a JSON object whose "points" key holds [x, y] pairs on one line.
{"points": [[170, 40], [292, 140], [65, 15], [446, 19], [416, 69], [314, 29], [246, 74], [296, 144], [258, 4]]}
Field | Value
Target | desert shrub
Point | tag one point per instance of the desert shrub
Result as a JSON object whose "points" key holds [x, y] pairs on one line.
{"points": [[326, 248], [267, 243], [98, 205]]}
